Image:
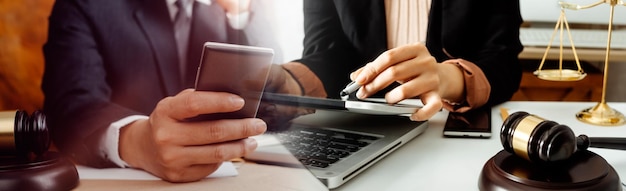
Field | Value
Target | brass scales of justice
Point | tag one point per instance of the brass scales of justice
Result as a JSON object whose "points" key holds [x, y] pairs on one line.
{"points": [[601, 113]]}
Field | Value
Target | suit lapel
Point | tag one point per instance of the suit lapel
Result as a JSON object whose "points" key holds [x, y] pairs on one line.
{"points": [[456, 25], [153, 18], [363, 22], [208, 25]]}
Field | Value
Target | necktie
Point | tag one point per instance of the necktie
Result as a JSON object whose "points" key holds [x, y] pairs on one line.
{"points": [[182, 25]]}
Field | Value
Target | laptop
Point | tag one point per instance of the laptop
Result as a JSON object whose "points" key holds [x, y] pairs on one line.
{"points": [[336, 143], [340, 140]]}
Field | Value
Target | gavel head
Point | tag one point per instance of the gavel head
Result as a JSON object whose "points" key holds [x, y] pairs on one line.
{"points": [[536, 139], [21, 134]]}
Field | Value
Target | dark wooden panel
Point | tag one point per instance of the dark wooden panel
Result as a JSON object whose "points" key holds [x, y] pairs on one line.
{"points": [[23, 31]]}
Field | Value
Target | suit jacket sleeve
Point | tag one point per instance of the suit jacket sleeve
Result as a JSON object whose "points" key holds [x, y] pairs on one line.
{"points": [[485, 33], [498, 57], [77, 97], [327, 51]]}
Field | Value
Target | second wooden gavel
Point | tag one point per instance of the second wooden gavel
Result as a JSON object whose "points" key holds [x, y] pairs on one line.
{"points": [[539, 140]]}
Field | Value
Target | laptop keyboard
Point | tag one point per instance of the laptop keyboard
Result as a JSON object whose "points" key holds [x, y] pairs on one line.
{"points": [[320, 148]]}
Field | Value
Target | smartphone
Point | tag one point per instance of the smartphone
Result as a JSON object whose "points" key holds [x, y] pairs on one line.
{"points": [[237, 69], [472, 124]]}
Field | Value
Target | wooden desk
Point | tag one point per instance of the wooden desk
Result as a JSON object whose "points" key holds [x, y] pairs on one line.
{"points": [[588, 89], [251, 177], [428, 162]]}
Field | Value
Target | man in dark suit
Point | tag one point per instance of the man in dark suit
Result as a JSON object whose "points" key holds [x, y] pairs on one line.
{"points": [[116, 96], [479, 39]]}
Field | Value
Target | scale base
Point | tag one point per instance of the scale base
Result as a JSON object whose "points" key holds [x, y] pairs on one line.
{"points": [[48, 172], [585, 170], [601, 114]]}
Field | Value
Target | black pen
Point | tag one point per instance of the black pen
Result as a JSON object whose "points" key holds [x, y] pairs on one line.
{"points": [[350, 88]]}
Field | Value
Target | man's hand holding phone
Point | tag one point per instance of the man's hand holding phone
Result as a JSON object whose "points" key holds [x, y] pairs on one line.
{"points": [[178, 150]]}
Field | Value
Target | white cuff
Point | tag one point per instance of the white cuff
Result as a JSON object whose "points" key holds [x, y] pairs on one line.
{"points": [[238, 21], [109, 143]]}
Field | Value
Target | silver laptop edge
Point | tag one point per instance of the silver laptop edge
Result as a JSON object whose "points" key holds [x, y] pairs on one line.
{"points": [[337, 180], [392, 133]]}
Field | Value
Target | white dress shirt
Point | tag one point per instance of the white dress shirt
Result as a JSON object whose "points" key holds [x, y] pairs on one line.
{"points": [[407, 21]]}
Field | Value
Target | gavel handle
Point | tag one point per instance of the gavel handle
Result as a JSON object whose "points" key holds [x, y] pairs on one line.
{"points": [[601, 142]]}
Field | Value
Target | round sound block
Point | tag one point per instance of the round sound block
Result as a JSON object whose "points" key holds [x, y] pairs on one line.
{"points": [[47, 172], [585, 170]]}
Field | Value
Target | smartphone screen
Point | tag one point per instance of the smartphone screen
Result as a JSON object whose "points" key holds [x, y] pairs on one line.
{"points": [[472, 124], [237, 69]]}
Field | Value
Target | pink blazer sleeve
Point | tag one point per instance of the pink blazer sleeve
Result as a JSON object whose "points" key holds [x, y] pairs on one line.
{"points": [[477, 87]]}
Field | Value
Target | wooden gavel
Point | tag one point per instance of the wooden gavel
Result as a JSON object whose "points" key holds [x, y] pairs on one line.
{"points": [[22, 134], [539, 140]]}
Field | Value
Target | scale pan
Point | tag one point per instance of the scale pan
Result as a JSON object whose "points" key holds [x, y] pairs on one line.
{"points": [[560, 75]]}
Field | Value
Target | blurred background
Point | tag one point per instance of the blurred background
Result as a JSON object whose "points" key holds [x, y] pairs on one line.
{"points": [[23, 31], [23, 28]]}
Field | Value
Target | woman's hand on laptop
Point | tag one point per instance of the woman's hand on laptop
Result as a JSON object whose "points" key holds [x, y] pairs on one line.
{"points": [[178, 150], [418, 73]]}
